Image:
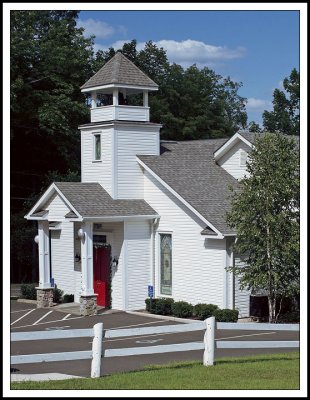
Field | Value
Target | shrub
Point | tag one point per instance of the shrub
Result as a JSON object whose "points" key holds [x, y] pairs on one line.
{"points": [[57, 294], [203, 311], [182, 309], [226, 315], [150, 305], [289, 317], [68, 298], [28, 291], [163, 306]]}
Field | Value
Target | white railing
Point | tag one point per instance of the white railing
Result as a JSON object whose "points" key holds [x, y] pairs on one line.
{"points": [[120, 113], [98, 352]]}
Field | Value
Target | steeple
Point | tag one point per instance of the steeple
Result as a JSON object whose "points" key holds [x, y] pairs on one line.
{"points": [[111, 89]]}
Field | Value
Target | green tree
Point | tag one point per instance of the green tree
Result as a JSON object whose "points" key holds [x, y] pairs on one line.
{"points": [[50, 59], [265, 215], [191, 103], [254, 127], [285, 115]]}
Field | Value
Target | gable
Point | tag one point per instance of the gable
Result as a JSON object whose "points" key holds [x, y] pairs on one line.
{"points": [[56, 207], [233, 160]]}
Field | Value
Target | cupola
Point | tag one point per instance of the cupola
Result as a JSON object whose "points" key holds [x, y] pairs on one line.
{"points": [[115, 90]]}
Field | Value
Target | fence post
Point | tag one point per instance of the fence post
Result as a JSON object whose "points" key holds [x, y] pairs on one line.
{"points": [[208, 355], [97, 350]]}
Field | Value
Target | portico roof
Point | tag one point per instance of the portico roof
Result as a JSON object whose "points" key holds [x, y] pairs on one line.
{"points": [[88, 200]]}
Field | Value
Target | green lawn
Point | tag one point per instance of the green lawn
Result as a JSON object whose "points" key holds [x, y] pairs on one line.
{"points": [[276, 371]]}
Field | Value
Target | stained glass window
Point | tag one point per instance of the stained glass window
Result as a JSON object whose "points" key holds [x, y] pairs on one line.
{"points": [[97, 147], [165, 264]]}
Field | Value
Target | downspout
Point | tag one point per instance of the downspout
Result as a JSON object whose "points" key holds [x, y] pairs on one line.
{"points": [[232, 292], [153, 252]]}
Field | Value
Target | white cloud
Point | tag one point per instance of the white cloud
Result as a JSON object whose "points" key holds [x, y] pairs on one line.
{"points": [[193, 51], [100, 29], [258, 104], [188, 52]]}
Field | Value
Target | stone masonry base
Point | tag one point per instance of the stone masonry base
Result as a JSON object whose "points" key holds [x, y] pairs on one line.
{"points": [[88, 305], [44, 297]]}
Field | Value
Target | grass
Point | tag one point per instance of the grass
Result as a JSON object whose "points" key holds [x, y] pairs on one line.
{"points": [[276, 371]]}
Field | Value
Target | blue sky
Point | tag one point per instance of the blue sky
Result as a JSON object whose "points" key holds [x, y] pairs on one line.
{"points": [[257, 48]]}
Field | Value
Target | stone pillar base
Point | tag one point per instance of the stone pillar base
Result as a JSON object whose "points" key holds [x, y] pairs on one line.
{"points": [[88, 305], [44, 297]]}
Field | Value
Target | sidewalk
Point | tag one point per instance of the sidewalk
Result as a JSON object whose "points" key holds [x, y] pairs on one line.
{"points": [[41, 377]]}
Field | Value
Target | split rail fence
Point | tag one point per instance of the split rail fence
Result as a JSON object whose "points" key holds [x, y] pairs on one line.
{"points": [[98, 351]]}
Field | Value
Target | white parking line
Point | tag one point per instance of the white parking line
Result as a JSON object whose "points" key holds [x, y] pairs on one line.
{"points": [[23, 316], [172, 333], [129, 326], [43, 323], [68, 315], [252, 334], [40, 319], [12, 312]]}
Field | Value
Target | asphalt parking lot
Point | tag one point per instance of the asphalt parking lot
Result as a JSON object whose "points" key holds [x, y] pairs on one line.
{"points": [[26, 318]]}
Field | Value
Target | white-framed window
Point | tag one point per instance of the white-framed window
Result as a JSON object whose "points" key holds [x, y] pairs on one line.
{"points": [[165, 264], [243, 158], [97, 147]]}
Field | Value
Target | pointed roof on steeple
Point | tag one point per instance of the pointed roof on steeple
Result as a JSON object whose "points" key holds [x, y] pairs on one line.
{"points": [[120, 71]]}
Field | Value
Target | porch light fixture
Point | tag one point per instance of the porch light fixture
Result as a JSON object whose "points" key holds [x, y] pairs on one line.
{"points": [[77, 258], [36, 239], [115, 262], [81, 233]]}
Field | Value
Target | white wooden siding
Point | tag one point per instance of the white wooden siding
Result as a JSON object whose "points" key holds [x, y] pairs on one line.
{"points": [[57, 208], [197, 263], [230, 161], [129, 173], [63, 258], [242, 297], [99, 114], [99, 171], [137, 237]]}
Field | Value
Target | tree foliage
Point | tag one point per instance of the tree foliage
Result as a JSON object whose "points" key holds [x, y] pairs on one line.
{"points": [[265, 214], [191, 103], [286, 103]]}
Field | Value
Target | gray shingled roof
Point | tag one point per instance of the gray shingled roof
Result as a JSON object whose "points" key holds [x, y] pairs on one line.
{"points": [[91, 200], [119, 70], [189, 169]]}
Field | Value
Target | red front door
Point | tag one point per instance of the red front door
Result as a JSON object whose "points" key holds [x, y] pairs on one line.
{"points": [[102, 278]]}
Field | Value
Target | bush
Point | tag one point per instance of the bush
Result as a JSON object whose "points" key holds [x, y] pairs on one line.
{"points": [[226, 315], [163, 306], [289, 317], [150, 305], [68, 298], [182, 309], [57, 295], [203, 311], [28, 291]]}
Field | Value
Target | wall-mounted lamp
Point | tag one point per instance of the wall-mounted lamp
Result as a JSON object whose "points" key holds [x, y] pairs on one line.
{"points": [[36, 239], [81, 234], [115, 262], [77, 258]]}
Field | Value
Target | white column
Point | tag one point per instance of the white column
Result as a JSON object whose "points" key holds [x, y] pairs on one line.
{"points": [[145, 98], [44, 255], [87, 260], [93, 100], [115, 97]]}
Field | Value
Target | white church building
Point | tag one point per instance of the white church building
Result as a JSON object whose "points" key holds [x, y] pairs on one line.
{"points": [[146, 212]]}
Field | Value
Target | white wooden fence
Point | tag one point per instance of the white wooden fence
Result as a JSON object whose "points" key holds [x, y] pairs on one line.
{"points": [[98, 352]]}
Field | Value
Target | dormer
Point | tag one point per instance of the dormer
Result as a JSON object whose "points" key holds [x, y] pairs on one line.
{"points": [[232, 155], [119, 91]]}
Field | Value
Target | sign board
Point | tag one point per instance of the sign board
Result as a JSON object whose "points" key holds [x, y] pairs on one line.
{"points": [[150, 291]]}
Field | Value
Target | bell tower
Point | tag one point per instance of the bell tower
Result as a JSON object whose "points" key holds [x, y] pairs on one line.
{"points": [[119, 128]]}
